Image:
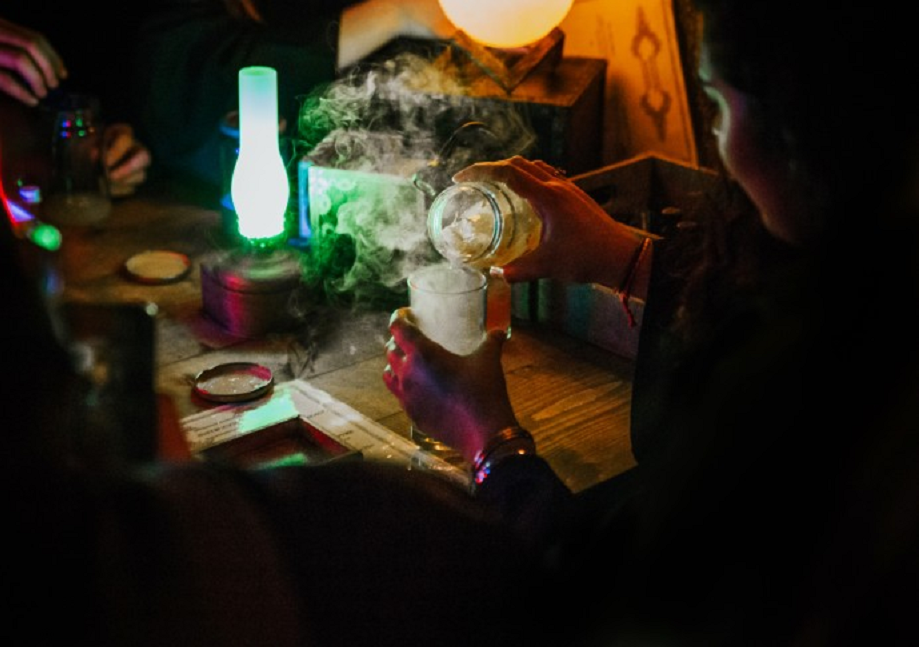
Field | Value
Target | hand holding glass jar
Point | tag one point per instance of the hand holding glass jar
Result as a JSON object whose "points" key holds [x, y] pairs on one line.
{"points": [[484, 225]]}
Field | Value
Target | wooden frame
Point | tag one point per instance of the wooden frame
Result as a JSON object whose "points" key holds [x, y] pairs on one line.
{"points": [[653, 102]]}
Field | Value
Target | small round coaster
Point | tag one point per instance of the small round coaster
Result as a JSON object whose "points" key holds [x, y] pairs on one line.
{"points": [[233, 382], [157, 266]]}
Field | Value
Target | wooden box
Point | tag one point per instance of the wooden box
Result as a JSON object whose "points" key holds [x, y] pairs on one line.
{"points": [[563, 103], [649, 192]]}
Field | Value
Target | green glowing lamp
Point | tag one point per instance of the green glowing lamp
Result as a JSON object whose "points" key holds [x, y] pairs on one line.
{"points": [[260, 187], [45, 236]]}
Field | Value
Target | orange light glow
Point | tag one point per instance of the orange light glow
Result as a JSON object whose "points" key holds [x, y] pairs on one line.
{"points": [[506, 23]]}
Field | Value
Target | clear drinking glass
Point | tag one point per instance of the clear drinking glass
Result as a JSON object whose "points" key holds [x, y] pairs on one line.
{"points": [[448, 305], [78, 193]]}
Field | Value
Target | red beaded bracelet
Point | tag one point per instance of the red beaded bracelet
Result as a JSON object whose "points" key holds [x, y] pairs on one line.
{"points": [[625, 290]]}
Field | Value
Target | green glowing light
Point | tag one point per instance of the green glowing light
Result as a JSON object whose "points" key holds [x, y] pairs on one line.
{"points": [[46, 236], [298, 458], [260, 188]]}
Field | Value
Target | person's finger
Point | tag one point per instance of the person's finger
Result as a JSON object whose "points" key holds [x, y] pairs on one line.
{"points": [[126, 159], [404, 331], [497, 171], [133, 164], [394, 354], [117, 139], [49, 62], [537, 169], [123, 150], [509, 171], [42, 59], [494, 341], [24, 70], [553, 172], [388, 373], [391, 382], [9, 85], [127, 185], [405, 312]]}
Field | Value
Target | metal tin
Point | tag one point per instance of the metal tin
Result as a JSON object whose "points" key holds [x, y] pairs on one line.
{"points": [[250, 294]]}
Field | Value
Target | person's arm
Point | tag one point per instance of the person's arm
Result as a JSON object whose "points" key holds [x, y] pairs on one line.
{"points": [[581, 243], [465, 399], [367, 26]]}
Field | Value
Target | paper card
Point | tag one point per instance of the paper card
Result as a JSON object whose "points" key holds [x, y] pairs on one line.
{"points": [[298, 398]]}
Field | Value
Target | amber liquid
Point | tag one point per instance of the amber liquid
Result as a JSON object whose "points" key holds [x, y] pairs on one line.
{"points": [[498, 305]]}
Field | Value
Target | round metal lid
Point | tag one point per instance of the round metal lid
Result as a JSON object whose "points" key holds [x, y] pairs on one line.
{"points": [[274, 271], [233, 382]]}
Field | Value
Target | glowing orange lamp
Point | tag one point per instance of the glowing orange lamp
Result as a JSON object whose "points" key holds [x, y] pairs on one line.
{"points": [[506, 23], [507, 39]]}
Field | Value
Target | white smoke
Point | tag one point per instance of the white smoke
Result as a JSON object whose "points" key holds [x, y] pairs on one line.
{"points": [[381, 141]]}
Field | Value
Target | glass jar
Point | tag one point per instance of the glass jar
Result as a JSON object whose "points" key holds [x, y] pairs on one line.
{"points": [[483, 225], [78, 193]]}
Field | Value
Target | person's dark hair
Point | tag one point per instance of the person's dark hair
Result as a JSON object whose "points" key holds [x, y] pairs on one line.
{"points": [[833, 90], [832, 96]]}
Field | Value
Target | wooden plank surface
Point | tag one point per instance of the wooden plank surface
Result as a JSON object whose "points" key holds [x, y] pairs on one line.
{"points": [[572, 395]]}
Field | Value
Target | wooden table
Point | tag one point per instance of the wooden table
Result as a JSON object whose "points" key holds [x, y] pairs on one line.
{"points": [[573, 396]]}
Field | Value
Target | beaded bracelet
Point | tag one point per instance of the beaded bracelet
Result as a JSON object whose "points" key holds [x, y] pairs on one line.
{"points": [[625, 291], [510, 441]]}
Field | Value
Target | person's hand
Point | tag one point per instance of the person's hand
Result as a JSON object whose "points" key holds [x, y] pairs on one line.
{"points": [[366, 26], [29, 66], [580, 242], [126, 159], [459, 400]]}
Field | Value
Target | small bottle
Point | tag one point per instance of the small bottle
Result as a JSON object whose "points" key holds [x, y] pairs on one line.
{"points": [[483, 225]]}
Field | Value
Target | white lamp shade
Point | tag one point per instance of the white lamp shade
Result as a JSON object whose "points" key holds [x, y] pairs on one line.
{"points": [[260, 187], [506, 23]]}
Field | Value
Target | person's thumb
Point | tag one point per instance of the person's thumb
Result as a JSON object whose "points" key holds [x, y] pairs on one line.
{"points": [[494, 341]]}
